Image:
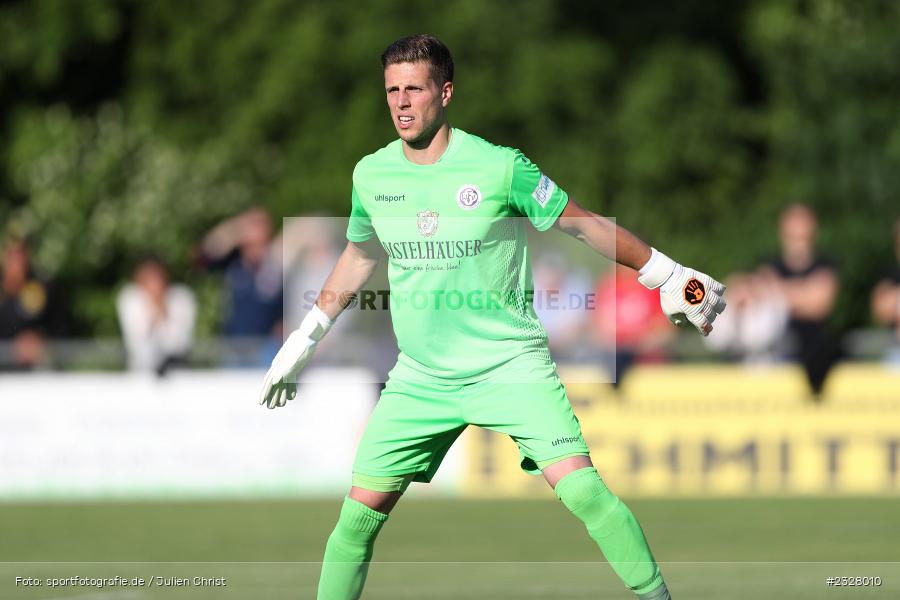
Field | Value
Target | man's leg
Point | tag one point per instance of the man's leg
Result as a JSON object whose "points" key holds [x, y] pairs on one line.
{"points": [[528, 402], [609, 522], [407, 436], [350, 545]]}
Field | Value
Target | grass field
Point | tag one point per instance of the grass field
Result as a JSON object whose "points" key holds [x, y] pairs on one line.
{"points": [[774, 548]]}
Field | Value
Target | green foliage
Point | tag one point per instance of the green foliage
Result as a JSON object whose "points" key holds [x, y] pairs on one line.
{"points": [[103, 193], [40, 37], [833, 127], [683, 169], [132, 127]]}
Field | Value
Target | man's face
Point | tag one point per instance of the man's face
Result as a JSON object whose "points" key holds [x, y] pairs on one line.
{"points": [[14, 267], [153, 279], [798, 231], [416, 101]]}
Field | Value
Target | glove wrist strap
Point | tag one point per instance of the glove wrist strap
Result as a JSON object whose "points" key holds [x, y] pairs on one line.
{"points": [[657, 270], [315, 324]]}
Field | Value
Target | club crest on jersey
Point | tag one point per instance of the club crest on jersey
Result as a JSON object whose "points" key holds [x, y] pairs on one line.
{"points": [[468, 196], [427, 222]]}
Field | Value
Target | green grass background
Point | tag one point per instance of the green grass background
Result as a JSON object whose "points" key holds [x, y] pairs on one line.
{"points": [[740, 547]]}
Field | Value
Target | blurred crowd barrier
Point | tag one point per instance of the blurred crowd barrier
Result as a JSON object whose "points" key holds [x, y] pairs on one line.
{"points": [[722, 430], [109, 354], [689, 430], [193, 434], [355, 348], [261, 282]]}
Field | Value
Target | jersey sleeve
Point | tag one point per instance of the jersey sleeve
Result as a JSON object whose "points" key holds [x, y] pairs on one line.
{"points": [[534, 195], [359, 229]]}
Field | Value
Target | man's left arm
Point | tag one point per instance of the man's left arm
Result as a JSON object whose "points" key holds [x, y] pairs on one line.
{"points": [[688, 297]]}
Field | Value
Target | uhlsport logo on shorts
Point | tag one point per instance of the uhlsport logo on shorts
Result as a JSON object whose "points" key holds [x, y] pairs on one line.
{"points": [[427, 222], [694, 291], [468, 196], [543, 191]]}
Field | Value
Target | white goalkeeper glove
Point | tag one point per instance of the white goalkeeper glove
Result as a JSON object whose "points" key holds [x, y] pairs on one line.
{"points": [[280, 384], [687, 297]]}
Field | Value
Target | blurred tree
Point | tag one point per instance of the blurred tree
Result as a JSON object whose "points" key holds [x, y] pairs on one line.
{"points": [[128, 127], [103, 192], [833, 128], [683, 170]]}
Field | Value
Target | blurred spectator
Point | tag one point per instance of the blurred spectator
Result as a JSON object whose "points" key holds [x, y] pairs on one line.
{"points": [[886, 300], [808, 284], [561, 296], [639, 331], [29, 310], [310, 252], [242, 246], [157, 319], [752, 328], [311, 247]]}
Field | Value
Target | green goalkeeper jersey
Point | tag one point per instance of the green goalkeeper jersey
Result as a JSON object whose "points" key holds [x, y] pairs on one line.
{"points": [[455, 236]]}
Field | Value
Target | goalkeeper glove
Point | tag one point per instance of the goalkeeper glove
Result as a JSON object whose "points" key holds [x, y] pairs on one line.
{"points": [[280, 384], [687, 297]]}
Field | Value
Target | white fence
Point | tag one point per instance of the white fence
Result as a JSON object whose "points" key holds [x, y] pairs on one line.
{"points": [[191, 434]]}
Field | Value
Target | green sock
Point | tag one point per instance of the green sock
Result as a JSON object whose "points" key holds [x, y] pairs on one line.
{"points": [[348, 551], [612, 525]]}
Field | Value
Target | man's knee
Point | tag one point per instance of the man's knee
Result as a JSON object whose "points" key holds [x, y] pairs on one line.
{"points": [[583, 491], [379, 493], [557, 468]]}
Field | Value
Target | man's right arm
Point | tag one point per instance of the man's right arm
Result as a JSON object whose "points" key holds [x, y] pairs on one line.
{"points": [[353, 269]]}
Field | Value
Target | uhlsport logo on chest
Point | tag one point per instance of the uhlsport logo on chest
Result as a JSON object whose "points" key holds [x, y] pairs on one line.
{"points": [[468, 196]]}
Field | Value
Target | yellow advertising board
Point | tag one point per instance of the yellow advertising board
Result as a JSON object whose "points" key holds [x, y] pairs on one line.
{"points": [[720, 430]]}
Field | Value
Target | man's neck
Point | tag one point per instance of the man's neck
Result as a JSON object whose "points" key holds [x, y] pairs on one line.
{"points": [[798, 260], [11, 285], [428, 152]]}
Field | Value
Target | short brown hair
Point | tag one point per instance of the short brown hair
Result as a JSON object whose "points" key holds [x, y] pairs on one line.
{"points": [[421, 48]]}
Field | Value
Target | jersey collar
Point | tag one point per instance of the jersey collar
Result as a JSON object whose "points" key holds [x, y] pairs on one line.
{"points": [[452, 146]]}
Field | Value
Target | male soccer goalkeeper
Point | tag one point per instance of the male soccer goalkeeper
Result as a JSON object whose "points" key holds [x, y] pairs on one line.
{"points": [[447, 208]]}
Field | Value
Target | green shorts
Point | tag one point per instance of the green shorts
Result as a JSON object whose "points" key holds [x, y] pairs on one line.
{"points": [[416, 420]]}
